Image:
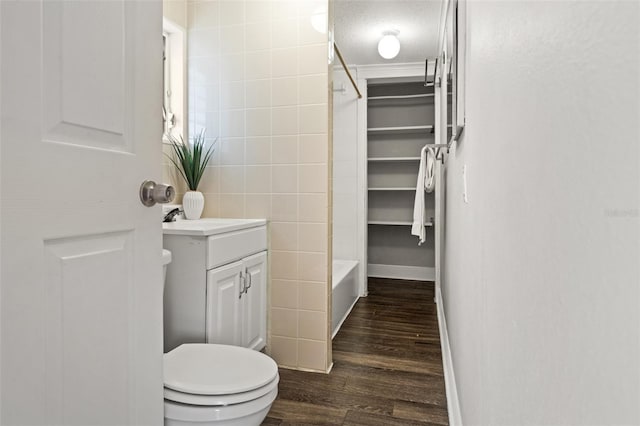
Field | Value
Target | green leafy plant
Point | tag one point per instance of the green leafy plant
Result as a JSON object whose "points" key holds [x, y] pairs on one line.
{"points": [[190, 159]]}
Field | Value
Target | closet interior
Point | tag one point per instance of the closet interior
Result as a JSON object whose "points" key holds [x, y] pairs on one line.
{"points": [[400, 122]]}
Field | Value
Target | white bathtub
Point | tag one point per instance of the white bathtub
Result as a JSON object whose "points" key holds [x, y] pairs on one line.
{"points": [[345, 291]]}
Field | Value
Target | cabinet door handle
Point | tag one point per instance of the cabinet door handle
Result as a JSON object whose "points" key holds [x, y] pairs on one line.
{"points": [[248, 275], [242, 285]]}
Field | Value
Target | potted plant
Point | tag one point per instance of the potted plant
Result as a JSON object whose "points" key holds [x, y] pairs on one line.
{"points": [[191, 161]]}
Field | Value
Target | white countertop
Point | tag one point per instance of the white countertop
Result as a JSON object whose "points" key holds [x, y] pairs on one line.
{"points": [[209, 226]]}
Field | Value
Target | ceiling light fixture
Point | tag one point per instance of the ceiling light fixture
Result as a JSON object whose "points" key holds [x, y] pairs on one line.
{"points": [[389, 45]]}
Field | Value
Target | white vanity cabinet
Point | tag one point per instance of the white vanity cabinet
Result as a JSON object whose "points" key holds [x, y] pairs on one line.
{"points": [[216, 286], [236, 303]]}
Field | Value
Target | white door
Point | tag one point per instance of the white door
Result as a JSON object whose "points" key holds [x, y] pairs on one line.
{"points": [[81, 292], [223, 304], [254, 305]]}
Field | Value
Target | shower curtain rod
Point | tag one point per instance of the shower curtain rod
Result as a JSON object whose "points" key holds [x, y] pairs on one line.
{"points": [[355, 86]]}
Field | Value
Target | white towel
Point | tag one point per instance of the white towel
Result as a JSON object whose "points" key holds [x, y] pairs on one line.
{"points": [[426, 183]]}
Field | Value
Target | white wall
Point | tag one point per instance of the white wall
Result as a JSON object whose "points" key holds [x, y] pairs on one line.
{"points": [[345, 171], [542, 267]]}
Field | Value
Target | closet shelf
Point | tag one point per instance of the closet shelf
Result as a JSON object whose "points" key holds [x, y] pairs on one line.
{"points": [[382, 98], [400, 129], [395, 159], [394, 189], [395, 223]]}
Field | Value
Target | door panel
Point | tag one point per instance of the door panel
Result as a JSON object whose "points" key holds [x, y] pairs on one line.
{"points": [[81, 277], [254, 307], [223, 304]]}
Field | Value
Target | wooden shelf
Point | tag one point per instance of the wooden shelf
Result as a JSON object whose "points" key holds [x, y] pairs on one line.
{"points": [[393, 189], [382, 98], [400, 129], [393, 159], [394, 223]]}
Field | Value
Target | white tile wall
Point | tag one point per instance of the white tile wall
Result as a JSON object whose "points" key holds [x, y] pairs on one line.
{"points": [[258, 78]]}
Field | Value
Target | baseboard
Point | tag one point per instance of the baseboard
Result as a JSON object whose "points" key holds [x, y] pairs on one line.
{"points": [[419, 273], [453, 403]]}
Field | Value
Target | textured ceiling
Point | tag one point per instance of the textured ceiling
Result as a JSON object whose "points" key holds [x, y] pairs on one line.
{"points": [[359, 25]]}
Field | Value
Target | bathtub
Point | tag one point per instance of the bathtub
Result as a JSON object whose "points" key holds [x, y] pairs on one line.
{"points": [[344, 293]]}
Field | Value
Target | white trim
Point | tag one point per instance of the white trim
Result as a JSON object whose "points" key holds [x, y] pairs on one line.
{"points": [[395, 71], [346, 315], [419, 273], [453, 403], [362, 192]]}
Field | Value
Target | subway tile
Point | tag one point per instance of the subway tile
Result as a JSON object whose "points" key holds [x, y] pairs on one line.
{"points": [[284, 207], [284, 322], [284, 178], [210, 180], [211, 205], [211, 125], [232, 95], [258, 93], [285, 33], [284, 265], [231, 152], [312, 266], [203, 14], [258, 179], [313, 89], [231, 12], [313, 208], [258, 36], [313, 59], [258, 65], [312, 237], [313, 177], [284, 121], [232, 67], [312, 325], [314, 149], [285, 8], [284, 91], [284, 294], [284, 350], [232, 123], [284, 236], [258, 11], [231, 179], [203, 71], [232, 205], [203, 42], [312, 296], [258, 122], [313, 119], [312, 355], [284, 62], [257, 206], [284, 149], [258, 150], [232, 39]]}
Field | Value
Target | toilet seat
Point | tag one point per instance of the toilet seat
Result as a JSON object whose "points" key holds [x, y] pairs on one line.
{"points": [[217, 375]]}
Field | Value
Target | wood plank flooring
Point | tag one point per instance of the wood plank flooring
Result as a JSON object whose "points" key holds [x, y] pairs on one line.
{"points": [[387, 366]]}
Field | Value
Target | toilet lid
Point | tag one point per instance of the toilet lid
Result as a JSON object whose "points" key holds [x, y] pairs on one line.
{"points": [[210, 369]]}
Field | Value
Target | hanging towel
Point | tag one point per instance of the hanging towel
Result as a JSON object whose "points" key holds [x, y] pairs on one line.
{"points": [[426, 183]]}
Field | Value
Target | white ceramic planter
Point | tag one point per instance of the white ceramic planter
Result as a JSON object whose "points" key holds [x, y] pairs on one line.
{"points": [[193, 204]]}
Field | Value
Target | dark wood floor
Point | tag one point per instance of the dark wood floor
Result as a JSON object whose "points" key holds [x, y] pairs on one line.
{"points": [[387, 366]]}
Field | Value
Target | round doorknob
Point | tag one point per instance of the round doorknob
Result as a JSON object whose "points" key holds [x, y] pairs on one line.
{"points": [[152, 193]]}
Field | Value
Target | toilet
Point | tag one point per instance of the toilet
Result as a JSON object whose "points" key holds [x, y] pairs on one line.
{"points": [[210, 384]]}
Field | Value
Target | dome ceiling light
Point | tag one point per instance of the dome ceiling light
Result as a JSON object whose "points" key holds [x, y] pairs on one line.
{"points": [[389, 45]]}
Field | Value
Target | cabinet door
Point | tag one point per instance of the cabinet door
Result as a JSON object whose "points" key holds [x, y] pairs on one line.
{"points": [[223, 304], [254, 302]]}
